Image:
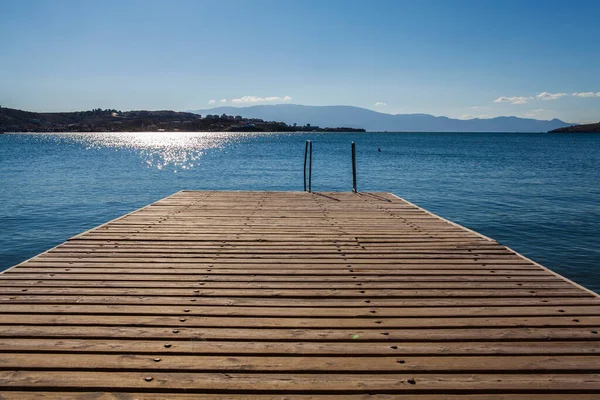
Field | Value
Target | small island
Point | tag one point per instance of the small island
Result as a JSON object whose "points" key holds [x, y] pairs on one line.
{"points": [[109, 120], [585, 128]]}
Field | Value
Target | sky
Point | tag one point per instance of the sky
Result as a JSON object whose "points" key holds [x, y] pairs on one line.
{"points": [[462, 59]]}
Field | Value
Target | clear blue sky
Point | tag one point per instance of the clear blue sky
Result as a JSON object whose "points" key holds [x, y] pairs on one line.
{"points": [[456, 58]]}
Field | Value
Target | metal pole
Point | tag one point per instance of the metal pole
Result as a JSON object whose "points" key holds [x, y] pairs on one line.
{"points": [[305, 156], [310, 170], [353, 167]]}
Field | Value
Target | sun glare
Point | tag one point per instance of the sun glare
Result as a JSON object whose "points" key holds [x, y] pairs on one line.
{"points": [[178, 150]]}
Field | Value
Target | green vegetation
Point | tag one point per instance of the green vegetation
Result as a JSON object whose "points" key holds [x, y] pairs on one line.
{"points": [[99, 120], [586, 128]]}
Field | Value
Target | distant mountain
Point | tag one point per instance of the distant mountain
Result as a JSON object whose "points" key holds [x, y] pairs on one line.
{"points": [[376, 121], [586, 128]]}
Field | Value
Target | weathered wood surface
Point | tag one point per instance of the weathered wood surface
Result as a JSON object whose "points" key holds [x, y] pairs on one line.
{"points": [[266, 295]]}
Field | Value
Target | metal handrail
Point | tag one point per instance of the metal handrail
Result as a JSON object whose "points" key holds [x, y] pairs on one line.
{"points": [[305, 155], [353, 167], [308, 161], [308, 153]]}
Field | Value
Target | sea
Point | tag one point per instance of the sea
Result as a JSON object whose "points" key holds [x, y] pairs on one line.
{"points": [[539, 194]]}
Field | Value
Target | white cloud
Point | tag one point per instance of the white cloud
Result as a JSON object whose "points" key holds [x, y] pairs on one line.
{"points": [[586, 94], [471, 116], [524, 99], [223, 100], [549, 96], [258, 99], [535, 113], [513, 100], [211, 102], [380, 104]]}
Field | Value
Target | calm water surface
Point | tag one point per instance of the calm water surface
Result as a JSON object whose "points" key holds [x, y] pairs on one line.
{"points": [[538, 194]]}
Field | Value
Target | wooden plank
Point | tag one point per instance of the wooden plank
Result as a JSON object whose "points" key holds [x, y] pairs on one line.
{"points": [[35, 277], [111, 289], [19, 395], [444, 350], [273, 267], [26, 298], [532, 334], [301, 364], [190, 280], [293, 320], [311, 383], [297, 312]]}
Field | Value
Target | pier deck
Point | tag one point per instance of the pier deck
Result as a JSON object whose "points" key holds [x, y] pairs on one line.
{"points": [[272, 295]]}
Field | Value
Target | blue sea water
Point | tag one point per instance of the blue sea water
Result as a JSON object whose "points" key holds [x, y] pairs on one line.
{"points": [[536, 193]]}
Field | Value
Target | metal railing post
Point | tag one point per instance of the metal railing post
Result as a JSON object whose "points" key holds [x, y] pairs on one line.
{"points": [[310, 170], [305, 157], [353, 167]]}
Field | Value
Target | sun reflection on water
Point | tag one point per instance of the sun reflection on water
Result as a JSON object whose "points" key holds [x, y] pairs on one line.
{"points": [[177, 150]]}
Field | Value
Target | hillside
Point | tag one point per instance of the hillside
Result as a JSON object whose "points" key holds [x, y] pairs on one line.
{"points": [[585, 128], [99, 120], [376, 121]]}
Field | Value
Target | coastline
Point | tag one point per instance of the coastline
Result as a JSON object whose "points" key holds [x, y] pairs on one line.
{"points": [[110, 120]]}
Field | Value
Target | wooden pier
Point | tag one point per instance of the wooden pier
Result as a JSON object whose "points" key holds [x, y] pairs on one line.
{"points": [[280, 295]]}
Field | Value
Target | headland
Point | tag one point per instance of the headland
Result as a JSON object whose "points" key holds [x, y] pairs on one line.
{"points": [[110, 120]]}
